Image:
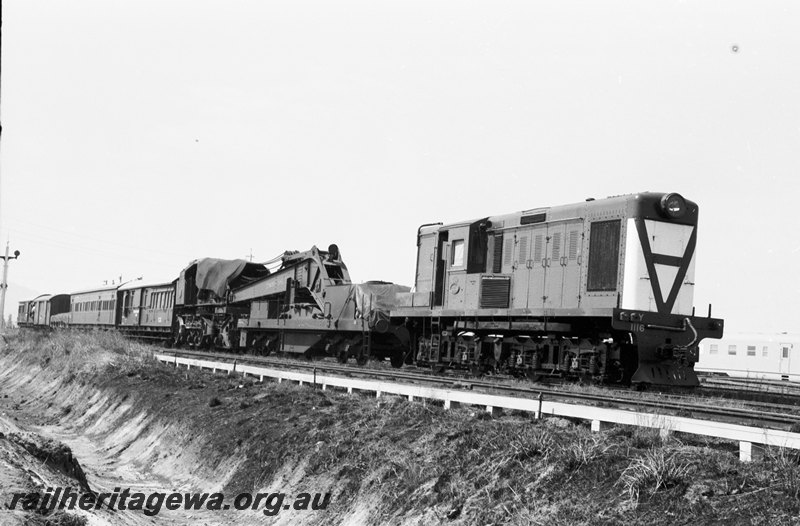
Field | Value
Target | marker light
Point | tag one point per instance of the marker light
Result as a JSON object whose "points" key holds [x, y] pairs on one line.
{"points": [[673, 205]]}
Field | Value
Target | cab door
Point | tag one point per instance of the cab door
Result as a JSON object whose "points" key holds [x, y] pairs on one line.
{"points": [[456, 265], [425, 262]]}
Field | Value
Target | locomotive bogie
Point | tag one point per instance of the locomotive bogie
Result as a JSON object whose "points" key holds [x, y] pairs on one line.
{"points": [[522, 355]]}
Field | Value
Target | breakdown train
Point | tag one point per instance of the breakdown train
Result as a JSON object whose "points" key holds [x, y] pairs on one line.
{"points": [[600, 290]]}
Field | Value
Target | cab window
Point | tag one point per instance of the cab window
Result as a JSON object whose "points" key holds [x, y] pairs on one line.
{"points": [[457, 254]]}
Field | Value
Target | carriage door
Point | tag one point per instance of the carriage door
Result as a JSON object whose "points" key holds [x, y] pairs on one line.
{"points": [[785, 359], [563, 265]]}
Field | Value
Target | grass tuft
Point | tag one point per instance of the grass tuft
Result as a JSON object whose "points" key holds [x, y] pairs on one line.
{"points": [[656, 469]]}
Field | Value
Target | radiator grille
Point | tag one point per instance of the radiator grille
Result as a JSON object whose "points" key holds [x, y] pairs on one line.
{"points": [[497, 261], [557, 246], [495, 292], [523, 250], [573, 245], [508, 251]]}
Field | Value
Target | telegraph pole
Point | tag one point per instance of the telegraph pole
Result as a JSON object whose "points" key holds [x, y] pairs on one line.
{"points": [[4, 286]]}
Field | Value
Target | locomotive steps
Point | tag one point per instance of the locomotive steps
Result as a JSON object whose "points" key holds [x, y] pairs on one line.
{"points": [[132, 422]]}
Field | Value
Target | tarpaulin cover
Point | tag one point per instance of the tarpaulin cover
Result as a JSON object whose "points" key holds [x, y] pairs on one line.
{"points": [[215, 274], [369, 297]]}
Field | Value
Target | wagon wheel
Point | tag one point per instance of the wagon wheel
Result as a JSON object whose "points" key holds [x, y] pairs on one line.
{"points": [[532, 375]]}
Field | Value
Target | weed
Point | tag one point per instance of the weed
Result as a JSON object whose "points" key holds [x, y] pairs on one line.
{"points": [[582, 450], [785, 467], [654, 470]]}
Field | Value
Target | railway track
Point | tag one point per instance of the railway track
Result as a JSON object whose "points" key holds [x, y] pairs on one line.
{"points": [[773, 416], [773, 387]]}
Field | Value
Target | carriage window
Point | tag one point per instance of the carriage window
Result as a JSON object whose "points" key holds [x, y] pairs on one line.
{"points": [[765, 351], [751, 350], [712, 349], [785, 351], [732, 350], [457, 256]]}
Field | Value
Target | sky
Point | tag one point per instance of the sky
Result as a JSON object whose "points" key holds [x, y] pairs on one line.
{"points": [[140, 135]]}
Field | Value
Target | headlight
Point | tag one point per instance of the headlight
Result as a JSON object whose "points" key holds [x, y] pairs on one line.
{"points": [[673, 205]]}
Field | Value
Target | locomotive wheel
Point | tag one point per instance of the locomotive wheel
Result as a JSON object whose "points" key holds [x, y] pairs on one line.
{"points": [[532, 375]]}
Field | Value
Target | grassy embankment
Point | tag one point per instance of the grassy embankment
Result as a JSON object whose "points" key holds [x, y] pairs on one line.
{"points": [[390, 460]]}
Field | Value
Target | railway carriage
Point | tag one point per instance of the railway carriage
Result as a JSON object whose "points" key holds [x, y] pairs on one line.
{"points": [[42, 310], [146, 310], [752, 355], [23, 313], [599, 289], [94, 308]]}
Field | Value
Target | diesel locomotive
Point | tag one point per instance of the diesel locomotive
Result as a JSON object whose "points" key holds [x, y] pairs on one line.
{"points": [[600, 290]]}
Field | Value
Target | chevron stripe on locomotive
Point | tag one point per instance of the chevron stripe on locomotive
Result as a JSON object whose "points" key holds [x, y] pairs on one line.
{"points": [[597, 290], [600, 290]]}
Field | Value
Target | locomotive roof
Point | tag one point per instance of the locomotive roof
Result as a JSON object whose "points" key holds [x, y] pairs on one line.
{"points": [[568, 211]]}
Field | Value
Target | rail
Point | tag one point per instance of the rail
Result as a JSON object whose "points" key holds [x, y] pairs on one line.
{"points": [[600, 417]]}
